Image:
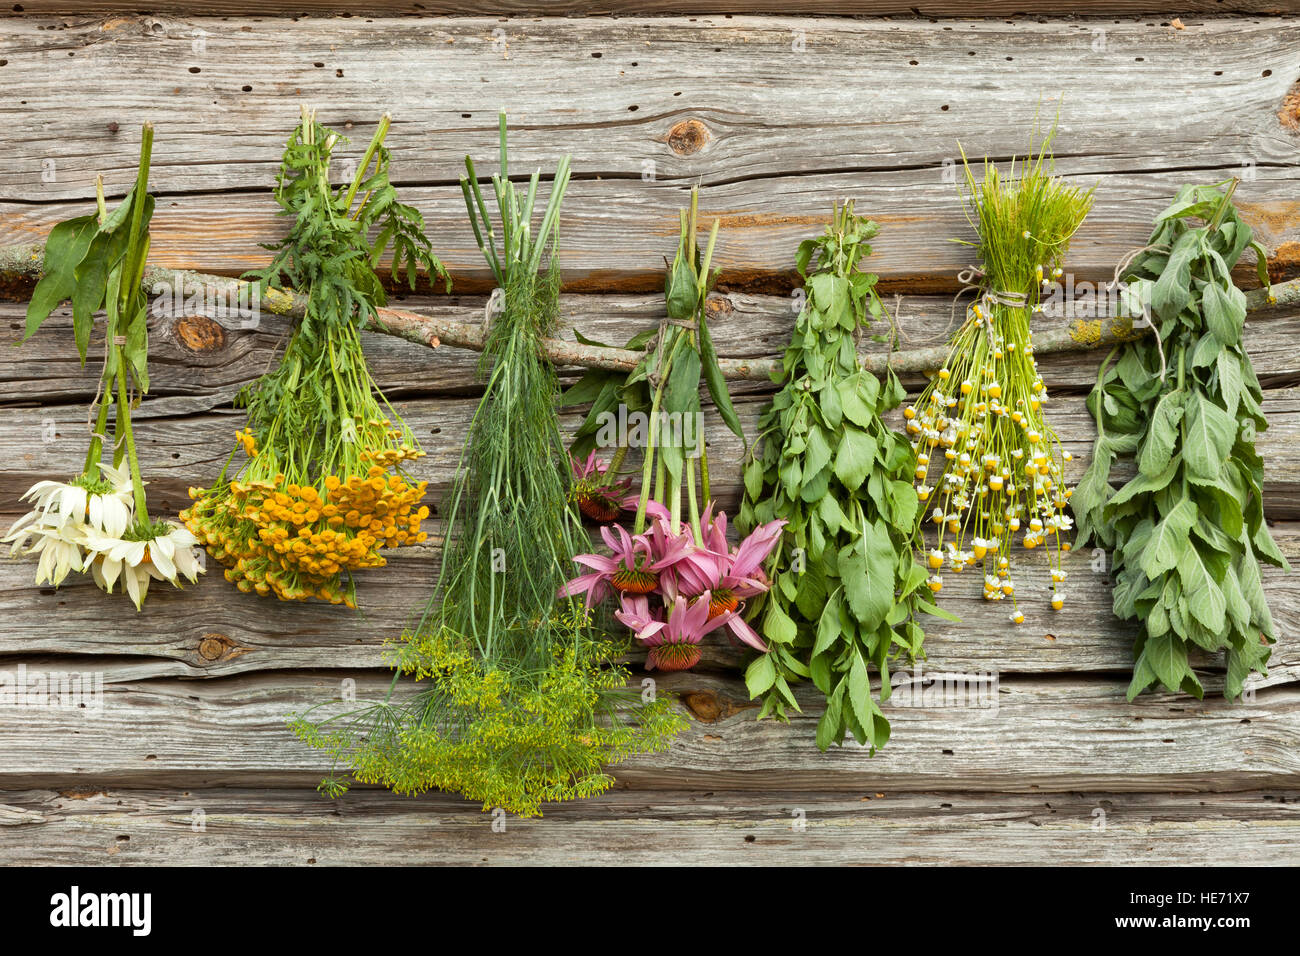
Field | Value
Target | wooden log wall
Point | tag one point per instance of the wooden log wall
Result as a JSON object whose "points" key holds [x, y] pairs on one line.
{"points": [[775, 117]]}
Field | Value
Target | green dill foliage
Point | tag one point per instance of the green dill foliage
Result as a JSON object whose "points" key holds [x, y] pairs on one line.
{"points": [[846, 589], [523, 702], [1188, 531]]}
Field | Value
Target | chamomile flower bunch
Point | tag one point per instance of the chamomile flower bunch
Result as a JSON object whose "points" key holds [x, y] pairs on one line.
{"points": [[990, 468], [98, 521]]}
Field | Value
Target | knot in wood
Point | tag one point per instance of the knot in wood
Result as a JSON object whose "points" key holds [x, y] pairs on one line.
{"points": [[1285, 262], [687, 137], [213, 646], [198, 333], [718, 304], [704, 705], [1289, 114]]}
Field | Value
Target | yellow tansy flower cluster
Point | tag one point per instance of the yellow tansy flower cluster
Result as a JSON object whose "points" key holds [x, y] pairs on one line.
{"points": [[299, 541]]}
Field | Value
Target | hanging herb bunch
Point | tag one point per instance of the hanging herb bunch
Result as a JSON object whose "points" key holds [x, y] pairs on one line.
{"points": [[99, 520], [1188, 531], [989, 464], [675, 579], [323, 487], [847, 590], [524, 703]]}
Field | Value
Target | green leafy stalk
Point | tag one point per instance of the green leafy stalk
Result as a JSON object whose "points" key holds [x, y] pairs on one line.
{"points": [[665, 385], [524, 703], [97, 262], [846, 590], [1188, 532], [314, 501]]}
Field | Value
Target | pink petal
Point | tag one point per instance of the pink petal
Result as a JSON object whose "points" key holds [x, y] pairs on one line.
{"points": [[742, 630]]}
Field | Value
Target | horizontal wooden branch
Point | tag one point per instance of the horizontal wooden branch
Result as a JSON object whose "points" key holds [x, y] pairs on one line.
{"points": [[433, 331]]}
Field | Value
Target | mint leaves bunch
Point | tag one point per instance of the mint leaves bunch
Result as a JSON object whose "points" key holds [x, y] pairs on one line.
{"points": [[846, 588]]}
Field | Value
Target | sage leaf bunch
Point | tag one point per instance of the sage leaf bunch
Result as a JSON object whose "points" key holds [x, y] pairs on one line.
{"points": [[1188, 531]]}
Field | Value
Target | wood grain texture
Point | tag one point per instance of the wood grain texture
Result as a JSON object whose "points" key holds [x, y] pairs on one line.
{"points": [[775, 118], [772, 134], [1050, 734], [577, 8], [210, 630], [280, 827], [182, 444]]}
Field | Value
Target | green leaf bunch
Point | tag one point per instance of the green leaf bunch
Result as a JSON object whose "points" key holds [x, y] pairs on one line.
{"points": [[318, 419], [1188, 531], [846, 589], [322, 389]]}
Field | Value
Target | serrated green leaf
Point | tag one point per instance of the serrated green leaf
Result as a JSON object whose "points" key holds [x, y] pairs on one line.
{"points": [[760, 675], [1168, 540]]}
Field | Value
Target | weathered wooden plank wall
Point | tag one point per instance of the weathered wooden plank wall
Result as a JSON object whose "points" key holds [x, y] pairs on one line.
{"points": [[775, 118]]}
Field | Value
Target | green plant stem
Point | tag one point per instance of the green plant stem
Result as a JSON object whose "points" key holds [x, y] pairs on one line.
{"points": [[95, 452], [135, 267], [652, 431], [141, 509], [692, 503], [375, 141], [704, 473]]}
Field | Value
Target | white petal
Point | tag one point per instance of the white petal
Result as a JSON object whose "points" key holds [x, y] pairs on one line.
{"points": [[182, 537], [73, 503], [137, 585], [187, 563], [96, 503], [163, 564], [45, 566], [67, 556], [109, 569], [117, 517], [162, 545], [129, 552]]}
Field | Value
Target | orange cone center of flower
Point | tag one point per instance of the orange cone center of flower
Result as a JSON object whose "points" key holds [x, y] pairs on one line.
{"points": [[722, 601], [674, 657], [635, 580]]}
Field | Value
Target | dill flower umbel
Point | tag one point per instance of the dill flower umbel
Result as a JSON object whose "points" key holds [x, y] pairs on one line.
{"points": [[990, 466]]}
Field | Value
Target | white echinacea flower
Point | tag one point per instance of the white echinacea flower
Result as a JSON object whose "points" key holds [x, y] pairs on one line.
{"points": [[58, 541], [167, 556], [107, 509]]}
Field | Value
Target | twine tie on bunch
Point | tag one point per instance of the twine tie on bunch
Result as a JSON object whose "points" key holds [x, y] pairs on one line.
{"points": [[1120, 269], [689, 324], [969, 279]]}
